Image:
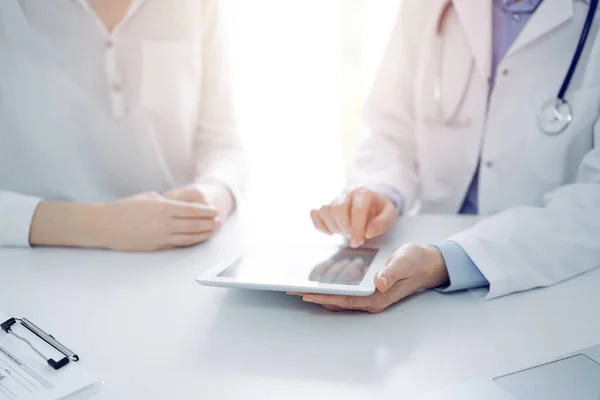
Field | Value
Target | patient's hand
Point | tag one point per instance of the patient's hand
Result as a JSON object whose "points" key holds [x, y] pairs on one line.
{"points": [[146, 222]]}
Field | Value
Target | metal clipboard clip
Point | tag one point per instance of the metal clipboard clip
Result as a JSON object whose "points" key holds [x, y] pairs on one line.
{"points": [[49, 339]]}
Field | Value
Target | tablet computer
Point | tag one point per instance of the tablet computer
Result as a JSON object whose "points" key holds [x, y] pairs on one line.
{"points": [[323, 269]]}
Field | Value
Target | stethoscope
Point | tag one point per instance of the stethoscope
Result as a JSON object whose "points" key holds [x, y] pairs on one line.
{"points": [[555, 115]]}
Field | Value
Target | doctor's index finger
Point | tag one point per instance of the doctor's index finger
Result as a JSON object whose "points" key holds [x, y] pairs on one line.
{"points": [[359, 214], [182, 209]]}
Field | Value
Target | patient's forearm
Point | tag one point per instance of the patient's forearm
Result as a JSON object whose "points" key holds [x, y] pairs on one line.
{"points": [[65, 224]]}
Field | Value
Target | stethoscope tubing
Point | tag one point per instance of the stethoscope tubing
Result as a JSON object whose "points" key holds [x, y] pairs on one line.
{"points": [[579, 50]]}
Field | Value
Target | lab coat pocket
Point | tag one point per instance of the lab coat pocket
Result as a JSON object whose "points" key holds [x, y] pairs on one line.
{"points": [[169, 81]]}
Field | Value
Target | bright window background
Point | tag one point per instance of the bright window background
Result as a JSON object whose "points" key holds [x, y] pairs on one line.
{"points": [[303, 69]]}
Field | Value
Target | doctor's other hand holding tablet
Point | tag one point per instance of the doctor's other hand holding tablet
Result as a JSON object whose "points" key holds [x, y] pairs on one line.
{"points": [[487, 107], [410, 269]]}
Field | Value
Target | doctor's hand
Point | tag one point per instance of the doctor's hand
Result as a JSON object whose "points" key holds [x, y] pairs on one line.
{"points": [[360, 214], [410, 269], [212, 194]]}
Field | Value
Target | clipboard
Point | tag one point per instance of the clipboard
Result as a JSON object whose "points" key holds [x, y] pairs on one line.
{"points": [[35, 366]]}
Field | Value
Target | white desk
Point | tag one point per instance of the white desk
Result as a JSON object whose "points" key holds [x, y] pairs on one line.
{"points": [[143, 325]]}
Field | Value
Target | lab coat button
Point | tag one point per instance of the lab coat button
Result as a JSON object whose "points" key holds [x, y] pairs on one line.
{"points": [[117, 88], [109, 44], [489, 164], [505, 72]]}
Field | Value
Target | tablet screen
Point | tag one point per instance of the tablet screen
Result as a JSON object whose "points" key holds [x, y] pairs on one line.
{"points": [[320, 264]]}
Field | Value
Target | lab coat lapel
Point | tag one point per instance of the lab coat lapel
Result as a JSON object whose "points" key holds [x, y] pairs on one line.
{"points": [[549, 15], [476, 19]]}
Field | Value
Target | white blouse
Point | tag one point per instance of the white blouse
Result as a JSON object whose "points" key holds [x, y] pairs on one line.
{"points": [[91, 115]]}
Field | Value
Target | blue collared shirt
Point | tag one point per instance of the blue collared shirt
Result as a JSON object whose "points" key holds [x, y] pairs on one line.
{"points": [[507, 25]]}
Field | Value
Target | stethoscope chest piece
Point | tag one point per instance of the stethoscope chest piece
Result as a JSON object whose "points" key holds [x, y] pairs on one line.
{"points": [[555, 117]]}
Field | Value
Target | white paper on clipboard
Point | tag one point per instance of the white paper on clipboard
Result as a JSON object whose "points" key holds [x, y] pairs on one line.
{"points": [[25, 375]]}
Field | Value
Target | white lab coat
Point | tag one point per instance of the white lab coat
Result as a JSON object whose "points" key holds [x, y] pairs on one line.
{"points": [[540, 194]]}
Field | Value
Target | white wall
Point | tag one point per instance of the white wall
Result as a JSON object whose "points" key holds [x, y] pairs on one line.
{"points": [[292, 93]]}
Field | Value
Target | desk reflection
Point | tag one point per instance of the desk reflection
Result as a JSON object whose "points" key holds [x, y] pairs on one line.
{"points": [[271, 334]]}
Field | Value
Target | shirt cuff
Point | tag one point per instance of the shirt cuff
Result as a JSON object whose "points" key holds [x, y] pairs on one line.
{"points": [[16, 215], [230, 183], [462, 271], [393, 194]]}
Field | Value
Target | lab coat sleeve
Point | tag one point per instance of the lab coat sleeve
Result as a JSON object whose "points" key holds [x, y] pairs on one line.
{"points": [[528, 247], [218, 150], [16, 214], [387, 155]]}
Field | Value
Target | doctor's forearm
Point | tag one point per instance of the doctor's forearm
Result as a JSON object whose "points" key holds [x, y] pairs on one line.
{"points": [[65, 225]]}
